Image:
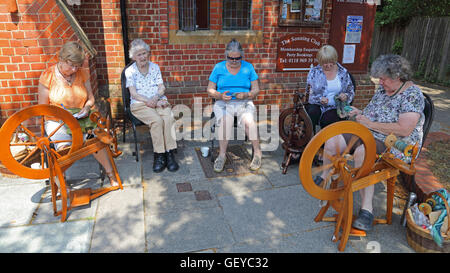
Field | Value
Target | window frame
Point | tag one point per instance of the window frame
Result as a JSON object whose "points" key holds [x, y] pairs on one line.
{"points": [[216, 34], [249, 18]]}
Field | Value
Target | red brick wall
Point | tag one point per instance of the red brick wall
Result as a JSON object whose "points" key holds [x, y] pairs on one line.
{"points": [[30, 38], [186, 67], [29, 41]]}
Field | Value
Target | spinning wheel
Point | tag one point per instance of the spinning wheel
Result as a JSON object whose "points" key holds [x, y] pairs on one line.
{"points": [[295, 129], [30, 124], [36, 139], [340, 177], [301, 132]]}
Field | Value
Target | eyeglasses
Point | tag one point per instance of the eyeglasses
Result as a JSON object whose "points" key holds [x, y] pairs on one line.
{"points": [[72, 66], [234, 59]]}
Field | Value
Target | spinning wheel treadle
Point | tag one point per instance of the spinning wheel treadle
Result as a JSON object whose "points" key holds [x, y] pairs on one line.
{"points": [[30, 122]]}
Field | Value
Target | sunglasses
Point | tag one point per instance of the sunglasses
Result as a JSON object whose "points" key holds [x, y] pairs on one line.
{"points": [[234, 59]]}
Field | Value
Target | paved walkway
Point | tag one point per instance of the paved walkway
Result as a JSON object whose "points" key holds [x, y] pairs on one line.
{"points": [[258, 212]]}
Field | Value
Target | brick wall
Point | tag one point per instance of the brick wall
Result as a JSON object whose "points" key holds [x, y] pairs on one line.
{"points": [[30, 38], [29, 41]]}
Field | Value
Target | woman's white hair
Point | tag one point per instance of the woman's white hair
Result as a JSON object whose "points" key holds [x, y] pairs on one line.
{"points": [[392, 66], [136, 45]]}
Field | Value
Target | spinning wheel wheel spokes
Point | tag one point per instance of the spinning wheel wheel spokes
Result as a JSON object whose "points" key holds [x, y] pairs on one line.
{"points": [[329, 165], [25, 131], [298, 124]]}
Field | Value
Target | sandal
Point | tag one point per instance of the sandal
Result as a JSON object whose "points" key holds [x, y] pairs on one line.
{"points": [[219, 163], [112, 179], [364, 220], [256, 163]]}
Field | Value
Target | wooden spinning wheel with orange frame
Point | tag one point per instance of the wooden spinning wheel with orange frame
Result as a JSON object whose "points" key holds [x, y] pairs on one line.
{"points": [[342, 179], [30, 122]]}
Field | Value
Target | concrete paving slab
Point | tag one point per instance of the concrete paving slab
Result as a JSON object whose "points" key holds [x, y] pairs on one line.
{"points": [[316, 240], [235, 185], [19, 202], [130, 172], [119, 223], [188, 231], [68, 237], [161, 196], [261, 214]]}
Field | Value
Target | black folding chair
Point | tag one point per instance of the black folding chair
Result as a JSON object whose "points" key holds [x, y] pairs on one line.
{"points": [[128, 116], [428, 111]]}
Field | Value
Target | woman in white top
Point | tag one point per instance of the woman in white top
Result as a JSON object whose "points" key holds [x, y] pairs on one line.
{"points": [[149, 104], [325, 81]]}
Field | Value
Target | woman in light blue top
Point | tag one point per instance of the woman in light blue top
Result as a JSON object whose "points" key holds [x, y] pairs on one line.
{"points": [[233, 84]]}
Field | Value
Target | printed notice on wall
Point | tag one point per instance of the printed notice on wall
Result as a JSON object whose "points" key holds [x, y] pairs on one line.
{"points": [[348, 56], [297, 52], [353, 29]]}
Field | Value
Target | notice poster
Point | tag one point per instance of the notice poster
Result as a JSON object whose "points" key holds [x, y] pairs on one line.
{"points": [[353, 29], [297, 52], [348, 56]]}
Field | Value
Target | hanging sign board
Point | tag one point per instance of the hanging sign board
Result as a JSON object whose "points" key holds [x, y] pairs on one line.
{"points": [[297, 52]]}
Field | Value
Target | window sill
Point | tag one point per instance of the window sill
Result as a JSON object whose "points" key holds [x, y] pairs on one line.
{"points": [[214, 36]]}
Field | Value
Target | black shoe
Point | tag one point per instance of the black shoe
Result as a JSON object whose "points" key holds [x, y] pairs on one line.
{"points": [[364, 220], [318, 181], [159, 162], [172, 165]]}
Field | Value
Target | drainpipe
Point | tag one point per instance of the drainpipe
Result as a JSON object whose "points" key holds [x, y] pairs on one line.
{"points": [[123, 16]]}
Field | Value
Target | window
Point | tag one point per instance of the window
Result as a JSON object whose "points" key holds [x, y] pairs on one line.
{"points": [[301, 13], [236, 14], [216, 21], [193, 15]]}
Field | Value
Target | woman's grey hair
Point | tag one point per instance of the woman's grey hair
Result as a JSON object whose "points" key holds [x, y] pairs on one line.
{"points": [[136, 45], [234, 46], [72, 51], [392, 66]]}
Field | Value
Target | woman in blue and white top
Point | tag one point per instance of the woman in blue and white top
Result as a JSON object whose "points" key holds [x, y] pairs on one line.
{"points": [[234, 83], [325, 81], [149, 104]]}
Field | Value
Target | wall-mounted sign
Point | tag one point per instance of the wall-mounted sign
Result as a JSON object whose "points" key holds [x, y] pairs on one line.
{"points": [[353, 29], [297, 52]]}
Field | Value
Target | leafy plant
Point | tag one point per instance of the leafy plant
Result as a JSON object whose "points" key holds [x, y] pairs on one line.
{"points": [[397, 47], [401, 12]]}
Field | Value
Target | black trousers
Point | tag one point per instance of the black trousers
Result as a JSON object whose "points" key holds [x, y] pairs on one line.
{"points": [[323, 120]]}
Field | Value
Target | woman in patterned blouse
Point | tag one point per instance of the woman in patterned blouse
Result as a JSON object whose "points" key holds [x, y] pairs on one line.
{"points": [[396, 108], [325, 81], [149, 104]]}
